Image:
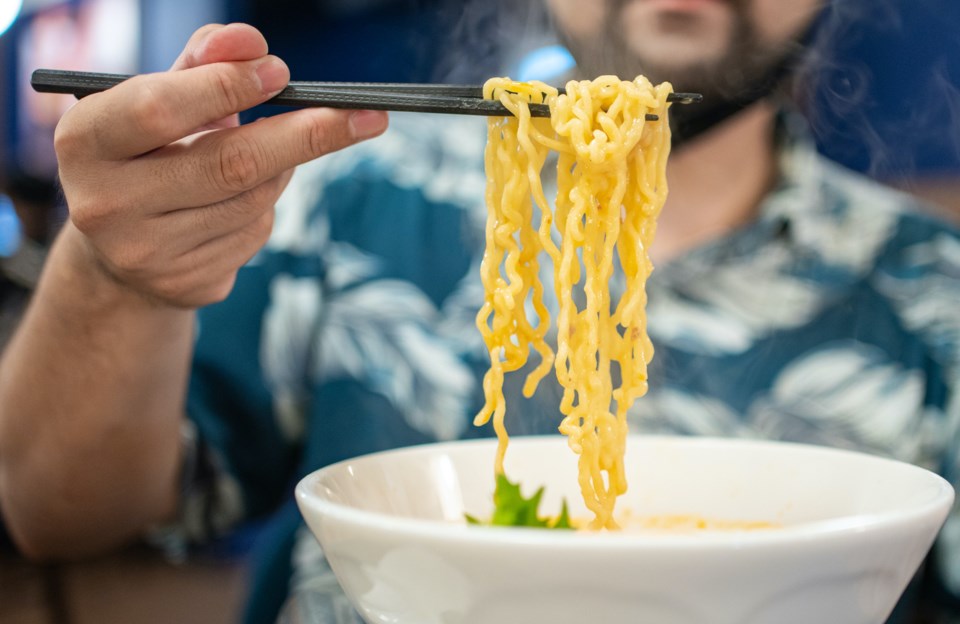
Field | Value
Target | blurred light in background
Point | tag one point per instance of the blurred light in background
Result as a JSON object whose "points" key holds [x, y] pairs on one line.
{"points": [[88, 35], [10, 232], [545, 64], [9, 10]]}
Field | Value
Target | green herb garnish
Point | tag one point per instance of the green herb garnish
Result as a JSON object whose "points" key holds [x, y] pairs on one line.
{"points": [[510, 508]]}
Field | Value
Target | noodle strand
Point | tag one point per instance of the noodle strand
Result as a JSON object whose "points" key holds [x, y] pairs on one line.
{"points": [[611, 186]]}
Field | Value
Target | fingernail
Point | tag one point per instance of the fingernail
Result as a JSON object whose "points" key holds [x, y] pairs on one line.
{"points": [[273, 75], [366, 124]]}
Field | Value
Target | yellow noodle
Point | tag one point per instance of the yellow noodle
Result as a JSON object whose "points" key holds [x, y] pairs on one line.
{"points": [[611, 185]]}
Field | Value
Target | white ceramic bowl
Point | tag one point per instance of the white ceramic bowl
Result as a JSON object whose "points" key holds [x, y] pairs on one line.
{"points": [[854, 530]]}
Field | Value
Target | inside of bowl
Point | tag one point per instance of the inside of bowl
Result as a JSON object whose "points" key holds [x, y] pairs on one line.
{"points": [[740, 481]]}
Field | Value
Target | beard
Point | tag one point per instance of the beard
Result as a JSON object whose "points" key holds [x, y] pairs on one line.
{"points": [[747, 69], [746, 58]]}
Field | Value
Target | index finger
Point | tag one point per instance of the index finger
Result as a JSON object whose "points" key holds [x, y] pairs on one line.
{"points": [[153, 110]]}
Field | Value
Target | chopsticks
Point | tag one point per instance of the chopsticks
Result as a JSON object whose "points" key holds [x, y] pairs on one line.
{"points": [[421, 98]]}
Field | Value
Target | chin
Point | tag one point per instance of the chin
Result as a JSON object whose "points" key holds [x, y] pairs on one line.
{"points": [[673, 59], [666, 40], [676, 55]]}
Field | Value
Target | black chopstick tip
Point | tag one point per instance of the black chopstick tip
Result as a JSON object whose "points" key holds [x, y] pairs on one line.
{"points": [[685, 98]]}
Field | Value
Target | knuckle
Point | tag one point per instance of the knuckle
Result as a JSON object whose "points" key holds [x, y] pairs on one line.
{"points": [[241, 210], [168, 289], [226, 91], [263, 228], [264, 195], [67, 137], [90, 216], [255, 234], [134, 260], [220, 290], [176, 288], [87, 221], [150, 111], [238, 166], [323, 138], [251, 238], [208, 218], [199, 293]]}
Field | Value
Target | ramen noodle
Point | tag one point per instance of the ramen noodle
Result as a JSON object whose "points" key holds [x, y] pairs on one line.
{"points": [[611, 185]]}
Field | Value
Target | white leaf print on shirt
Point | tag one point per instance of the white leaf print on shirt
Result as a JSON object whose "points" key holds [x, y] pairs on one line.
{"points": [[288, 327], [850, 394], [290, 324], [841, 224], [927, 297], [854, 219], [380, 333], [294, 228], [457, 323], [728, 309]]}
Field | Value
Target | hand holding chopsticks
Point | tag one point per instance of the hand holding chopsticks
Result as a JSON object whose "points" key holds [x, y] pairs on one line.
{"points": [[421, 98], [168, 194]]}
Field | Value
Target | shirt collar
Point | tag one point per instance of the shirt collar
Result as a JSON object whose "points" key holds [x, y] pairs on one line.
{"points": [[797, 190]]}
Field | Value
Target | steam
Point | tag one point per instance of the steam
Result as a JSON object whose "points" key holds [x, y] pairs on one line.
{"points": [[839, 97], [488, 37], [947, 94]]}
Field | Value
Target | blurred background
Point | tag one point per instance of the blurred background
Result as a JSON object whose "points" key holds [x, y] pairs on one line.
{"points": [[886, 103]]}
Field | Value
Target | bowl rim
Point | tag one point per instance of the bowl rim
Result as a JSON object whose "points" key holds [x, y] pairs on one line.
{"points": [[829, 530]]}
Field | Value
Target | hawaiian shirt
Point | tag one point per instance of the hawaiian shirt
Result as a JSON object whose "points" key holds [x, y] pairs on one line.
{"points": [[833, 318]]}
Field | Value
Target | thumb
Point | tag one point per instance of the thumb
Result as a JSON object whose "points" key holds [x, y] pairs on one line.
{"points": [[218, 43]]}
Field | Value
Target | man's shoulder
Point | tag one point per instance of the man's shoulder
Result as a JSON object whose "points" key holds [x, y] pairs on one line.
{"points": [[916, 267], [845, 190], [848, 224], [914, 229], [879, 242]]}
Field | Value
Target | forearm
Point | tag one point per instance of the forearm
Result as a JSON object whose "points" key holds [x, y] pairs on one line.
{"points": [[91, 401]]}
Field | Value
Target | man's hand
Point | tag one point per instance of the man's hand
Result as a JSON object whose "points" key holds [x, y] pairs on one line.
{"points": [[168, 197], [169, 194]]}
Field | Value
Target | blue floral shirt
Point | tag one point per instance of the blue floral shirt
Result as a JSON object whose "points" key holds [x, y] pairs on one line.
{"points": [[833, 318]]}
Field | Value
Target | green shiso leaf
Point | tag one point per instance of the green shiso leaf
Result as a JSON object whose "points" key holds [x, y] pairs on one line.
{"points": [[511, 509], [563, 520]]}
